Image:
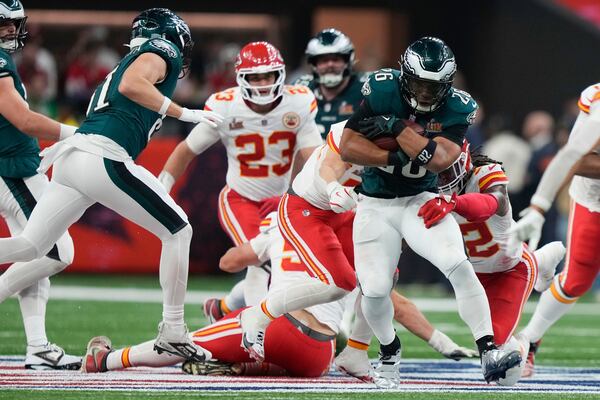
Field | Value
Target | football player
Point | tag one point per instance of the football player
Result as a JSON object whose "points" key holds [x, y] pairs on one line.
{"points": [[396, 184], [268, 126], [333, 81], [578, 157], [21, 187], [96, 166], [473, 189]]}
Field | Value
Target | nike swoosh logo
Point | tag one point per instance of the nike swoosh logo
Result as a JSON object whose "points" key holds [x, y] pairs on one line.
{"points": [[386, 118]]}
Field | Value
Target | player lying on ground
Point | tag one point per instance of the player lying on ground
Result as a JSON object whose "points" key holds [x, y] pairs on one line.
{"points": [[579, 157], [473, 190]]}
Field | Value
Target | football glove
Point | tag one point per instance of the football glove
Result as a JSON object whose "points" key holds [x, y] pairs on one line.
{"points": [[448, 348], [434, 210], [381, 125], [167, 180], [529, 227], [196, 116], [341, 198]]}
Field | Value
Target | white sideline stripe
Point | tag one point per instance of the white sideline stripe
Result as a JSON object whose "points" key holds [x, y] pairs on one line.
{"points": [[199, 296]]}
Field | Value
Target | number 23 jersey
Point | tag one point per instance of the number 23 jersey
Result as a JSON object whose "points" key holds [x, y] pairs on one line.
{"points": [[261, 147], [488, 243]]}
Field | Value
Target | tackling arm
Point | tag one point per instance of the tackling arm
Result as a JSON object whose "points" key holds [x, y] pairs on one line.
{"points": [[17, 112], [356, 149], [445, 151], [238, 258]]}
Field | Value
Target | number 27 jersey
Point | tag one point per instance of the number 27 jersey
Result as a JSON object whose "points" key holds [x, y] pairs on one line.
{"points": [[260, 147]]}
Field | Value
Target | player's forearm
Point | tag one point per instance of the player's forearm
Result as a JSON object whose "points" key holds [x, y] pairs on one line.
{"points": [[143, 92], [356, 149], [442, 155], [589, 166], [332, 168], [179, 160], [409, 316], [39, 126]]}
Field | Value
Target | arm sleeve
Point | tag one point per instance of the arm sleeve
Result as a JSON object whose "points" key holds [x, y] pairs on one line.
{"points": [[583, 138], [201, 138], [364, 111], [476, 207]]}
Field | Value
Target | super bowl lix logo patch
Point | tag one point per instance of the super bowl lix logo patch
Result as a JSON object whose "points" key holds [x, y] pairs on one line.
{"points": [[2, 62], [291, 120]]}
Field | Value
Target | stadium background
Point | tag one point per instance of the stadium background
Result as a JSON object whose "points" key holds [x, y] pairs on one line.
{"points": [[514, 57]]}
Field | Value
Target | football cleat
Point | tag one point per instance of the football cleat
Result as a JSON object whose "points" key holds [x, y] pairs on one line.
{"points": [[548, 258], [386, 373], [50, 356], [495, 363], [529, 369], [212, 310], [176, 340], [98, 349], [209, 368], [355, 362], [253, 333]]}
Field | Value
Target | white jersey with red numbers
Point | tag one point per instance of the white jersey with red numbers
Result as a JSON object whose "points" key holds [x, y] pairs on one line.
{"points": [[309, 185], [586, 191], [260, 147], [488, 243], [288, 270]]}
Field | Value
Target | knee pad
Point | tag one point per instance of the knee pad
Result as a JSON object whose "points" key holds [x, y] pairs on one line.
{"points": [[374, 287]]}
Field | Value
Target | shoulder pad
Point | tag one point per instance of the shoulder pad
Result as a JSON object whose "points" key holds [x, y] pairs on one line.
{"points": [[301, 97], [379, 87], [305, 80], [362, 76], [462, 106], [7, 66], [162, 47], [590, 94], [489, 175], [219, 101]]}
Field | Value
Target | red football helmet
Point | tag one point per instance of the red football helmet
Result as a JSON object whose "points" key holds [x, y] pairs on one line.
{"points": [[455, 177], [260, 58]]}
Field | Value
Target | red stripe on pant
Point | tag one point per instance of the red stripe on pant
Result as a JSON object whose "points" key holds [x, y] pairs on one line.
{"points": [[507, 293], [285, 346], [322, 239], [583, 258]]}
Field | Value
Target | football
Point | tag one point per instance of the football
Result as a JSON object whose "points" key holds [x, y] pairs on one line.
{"points": [[389, 143]]}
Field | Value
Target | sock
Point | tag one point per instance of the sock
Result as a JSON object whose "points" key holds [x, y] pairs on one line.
{"points": [[485, 343], [174, 263], [379, 313], [349, 313], [301, 296], [256, 286], [472, 302], [234, 299], [360, 336], [32, 301], [391, 348], [549, 310], [141, 355], [22, 275]]}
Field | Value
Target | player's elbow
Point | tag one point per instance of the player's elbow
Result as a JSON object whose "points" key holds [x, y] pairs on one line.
{"points": [[230, 262], [127, 88]]}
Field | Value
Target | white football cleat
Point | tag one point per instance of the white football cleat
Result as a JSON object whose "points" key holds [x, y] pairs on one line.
{"points": [[548, 258], [254, 323], [355, 362], [387, 371], [176, 340], [50, 356]]}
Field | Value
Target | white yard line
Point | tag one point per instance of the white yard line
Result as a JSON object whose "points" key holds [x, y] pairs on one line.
{"points": [[90, 293]]}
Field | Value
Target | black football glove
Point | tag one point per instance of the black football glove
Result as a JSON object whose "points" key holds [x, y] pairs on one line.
{"points": [[380, 125]]}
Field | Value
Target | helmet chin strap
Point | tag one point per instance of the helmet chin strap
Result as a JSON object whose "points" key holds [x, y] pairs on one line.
{"points": [[136, 42]]}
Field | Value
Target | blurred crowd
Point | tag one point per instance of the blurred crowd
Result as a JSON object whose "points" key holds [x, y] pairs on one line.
{"points": [[60, 82]]}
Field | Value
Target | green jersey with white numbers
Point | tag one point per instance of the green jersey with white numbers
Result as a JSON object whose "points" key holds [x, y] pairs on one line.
{"points": [[383, 95], [19, 153], [127, 123], [339, 108]]}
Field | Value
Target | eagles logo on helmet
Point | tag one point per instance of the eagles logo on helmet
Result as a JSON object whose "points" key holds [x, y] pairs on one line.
{"points": [[260, 58], [12, 11]]}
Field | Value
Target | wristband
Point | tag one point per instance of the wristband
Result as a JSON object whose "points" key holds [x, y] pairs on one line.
{"points": [[167, 180], [66, 131], [426, 154], [165, 106], [398, 158], [397, 127]]}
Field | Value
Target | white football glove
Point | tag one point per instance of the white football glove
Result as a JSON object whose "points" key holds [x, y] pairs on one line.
{"points": [[167, 180], [341, 198], [196, 116], [448, 348], [529, 227]]}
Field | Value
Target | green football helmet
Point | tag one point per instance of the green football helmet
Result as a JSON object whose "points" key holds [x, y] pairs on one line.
{"points": [[428, 67], [330, 41], [12, 11], [165, 24]]}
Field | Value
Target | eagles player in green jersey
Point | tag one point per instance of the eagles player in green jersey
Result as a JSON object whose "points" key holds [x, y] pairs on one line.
{"points": [[396, 184], [333, 81], [20, 188], [96, 166]]}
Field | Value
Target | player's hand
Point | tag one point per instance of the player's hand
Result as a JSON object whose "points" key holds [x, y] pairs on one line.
{"points": [[341, 198], [167, 180], [268, 205], [196, 116], [529, 227], [434, 210], [458, 353], [381, 125]]}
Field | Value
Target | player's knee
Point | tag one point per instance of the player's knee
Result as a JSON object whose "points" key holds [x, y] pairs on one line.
{"points": [[577, 289], [376, 287], [464, 281], [66, 249], [183, 235], [453, 264]]}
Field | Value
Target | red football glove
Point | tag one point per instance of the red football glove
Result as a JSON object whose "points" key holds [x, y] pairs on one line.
{"points": [[434, 210]]}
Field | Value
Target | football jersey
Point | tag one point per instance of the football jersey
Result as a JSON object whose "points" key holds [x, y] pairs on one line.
{"points": [[488, 243], [341, 107], [125, 122], [261, 147], [383, 95], [288, 270], [19, 153], [309, 185], [586, 191]]}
